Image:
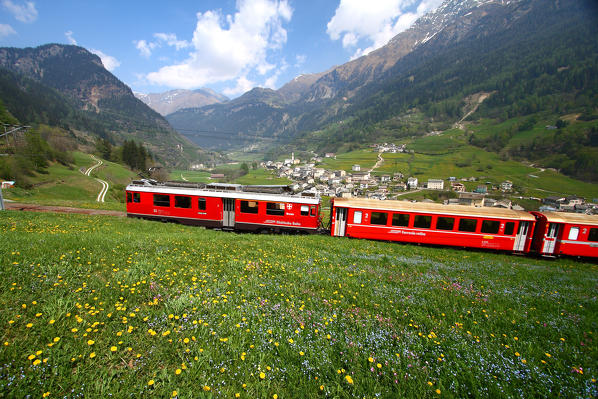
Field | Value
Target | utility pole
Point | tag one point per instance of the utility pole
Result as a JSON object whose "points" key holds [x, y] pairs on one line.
{"points": [[1, 200]]}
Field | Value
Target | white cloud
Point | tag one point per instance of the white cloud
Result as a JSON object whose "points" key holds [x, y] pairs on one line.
{"points": [[229, 47], [171, 40], [374, 22], [6, 30], [242, 85], [144, 47], [70, 38], [110, 63], [24, 12]]}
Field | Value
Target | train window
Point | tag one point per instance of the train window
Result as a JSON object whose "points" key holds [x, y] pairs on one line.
{"points": [[422, 221], [468, 225], [573, 233], [379, 218], [129, 197], [490, 226], [201, 204], [400, 219], [136, 197], [161, 200], [249, 206], [509, 228], [357, 217], [444, 223], [275, 208], [182, 202], [304, 210], [313, 211], [593, 235]]}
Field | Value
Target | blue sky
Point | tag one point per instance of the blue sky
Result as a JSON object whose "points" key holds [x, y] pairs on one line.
{"points": [[229, 46]]}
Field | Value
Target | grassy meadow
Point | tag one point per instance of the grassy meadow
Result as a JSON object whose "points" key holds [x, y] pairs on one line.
{"points": [[96, 306]]}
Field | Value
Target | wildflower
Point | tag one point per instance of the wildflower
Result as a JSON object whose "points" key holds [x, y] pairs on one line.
{"points": [[56, 339], [150, 383], [349, 379], [548, 354], [90, 342], [92, 355], [438, 391], [174, 393], [371, 359], [178, 371], [113, 349], [36, 362], [206, 388]]}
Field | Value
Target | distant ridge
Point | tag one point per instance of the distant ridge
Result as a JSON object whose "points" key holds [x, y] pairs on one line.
{"points": [[173, 100]]}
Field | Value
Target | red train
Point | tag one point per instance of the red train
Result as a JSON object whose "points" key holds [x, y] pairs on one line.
{"points": [[227, 206], [276, 209]]}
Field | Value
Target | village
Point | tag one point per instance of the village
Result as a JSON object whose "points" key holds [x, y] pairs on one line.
{"points": [[310, 179]]}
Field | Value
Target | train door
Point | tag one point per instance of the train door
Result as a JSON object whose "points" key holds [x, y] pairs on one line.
{"points": [[341, 222], [521, 237], [228, 212], [550, 238]]}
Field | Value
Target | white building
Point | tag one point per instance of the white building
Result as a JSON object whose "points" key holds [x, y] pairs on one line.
{"points": [[412, 182], [356, 168], [435, 184]]}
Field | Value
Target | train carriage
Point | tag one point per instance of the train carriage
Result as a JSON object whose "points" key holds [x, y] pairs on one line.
{"points": [[563, 233], [428, 223], [227, 206]]}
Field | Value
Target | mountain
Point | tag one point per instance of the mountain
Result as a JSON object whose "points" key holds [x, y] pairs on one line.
{"points": [[174, 100], [462, 48], [68, 86]]}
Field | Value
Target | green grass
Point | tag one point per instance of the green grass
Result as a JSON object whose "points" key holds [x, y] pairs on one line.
{"points": [[262, 177], [101, 306], [68, 186], [365, 158]]}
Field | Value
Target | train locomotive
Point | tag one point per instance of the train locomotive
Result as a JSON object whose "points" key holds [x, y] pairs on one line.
{"points": [[278, 209]]}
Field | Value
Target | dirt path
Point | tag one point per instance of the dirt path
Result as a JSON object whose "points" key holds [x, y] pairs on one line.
{"points": [[379, 162], [16, 206]]}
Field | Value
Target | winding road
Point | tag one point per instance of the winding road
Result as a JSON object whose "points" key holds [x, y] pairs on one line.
{"points": [[104, 184]]}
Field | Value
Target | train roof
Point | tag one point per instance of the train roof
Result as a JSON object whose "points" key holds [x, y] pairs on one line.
{"points": [[424, 207], [566, 217], [223, 190]]}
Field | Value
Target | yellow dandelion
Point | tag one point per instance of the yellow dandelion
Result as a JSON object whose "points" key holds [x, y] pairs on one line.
{"points": [[56, 339], [262, 375], [379, 365], [430, 383], [36, 362], [31, 357], [113, 349], [90, 342], [349, 379], [371, 359], [275, 396], [290, 340], [29, 325], [150, 383], [46, 394], [206, 388], [438, 391], [178, 371], [174, 393], [92, 355], [301, 353]]}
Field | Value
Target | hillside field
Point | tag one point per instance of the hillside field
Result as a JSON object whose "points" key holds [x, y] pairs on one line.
{"points": [[96, 306]]}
